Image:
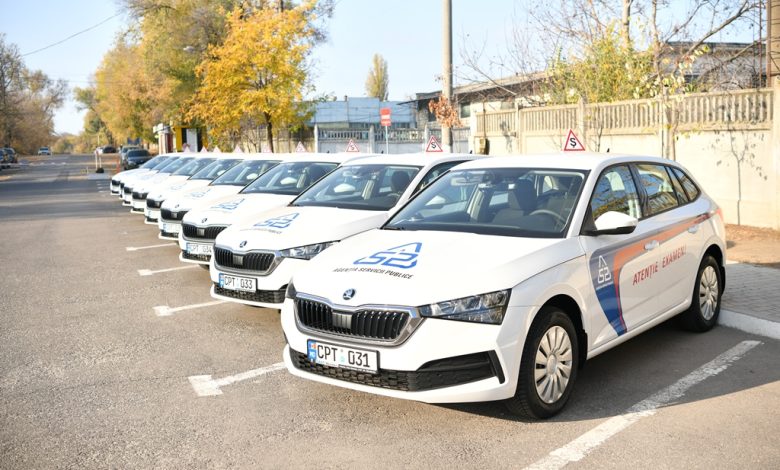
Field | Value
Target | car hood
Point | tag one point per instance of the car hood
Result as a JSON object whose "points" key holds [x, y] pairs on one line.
{"points": [[415, 268], [231, 209], [200, 197], [176, 188], [127, 174], [288, 227], [158, 183]]}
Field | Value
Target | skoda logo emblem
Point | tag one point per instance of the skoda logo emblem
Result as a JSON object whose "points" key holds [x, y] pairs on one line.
{"points": [[242, 244], [177, 206], [203, 220], [348, 294]]}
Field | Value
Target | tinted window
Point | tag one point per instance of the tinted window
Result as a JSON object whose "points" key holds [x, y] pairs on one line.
{"points": [[215, 169], [137, 153], [289, 178], [154, 162], [658, 186], [682, 198], [615, 191], [194, 166], [245, 173], [175, 165], [690, 188]]}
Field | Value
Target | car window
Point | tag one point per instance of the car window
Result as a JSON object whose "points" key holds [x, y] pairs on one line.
{"points": [[658, 186], [366, 187], [435, 172], [216, 169], [690, 188], [194, 166], [176, 164], [290, 178], [682, 198], [495, 201], [615, 191], [245, 173]]}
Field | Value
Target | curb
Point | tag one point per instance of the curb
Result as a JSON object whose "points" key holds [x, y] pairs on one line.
{"points": [[749, 324]]}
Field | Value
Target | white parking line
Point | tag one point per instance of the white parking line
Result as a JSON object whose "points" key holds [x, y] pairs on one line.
{"points": [[148, 272], [136, 248], [205, 386], [166, 311], [577, 449]]}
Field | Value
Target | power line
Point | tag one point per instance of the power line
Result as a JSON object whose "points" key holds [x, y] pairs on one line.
{"points": [[71, 36]]}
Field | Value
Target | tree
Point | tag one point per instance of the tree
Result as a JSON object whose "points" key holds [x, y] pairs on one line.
{"points": [[258, 75], [378, 80]]}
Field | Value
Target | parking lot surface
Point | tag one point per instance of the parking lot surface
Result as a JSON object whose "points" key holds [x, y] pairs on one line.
{"points": [[113, 354]]}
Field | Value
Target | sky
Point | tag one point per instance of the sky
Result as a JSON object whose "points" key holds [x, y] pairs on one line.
{"points": [[407, 33]]}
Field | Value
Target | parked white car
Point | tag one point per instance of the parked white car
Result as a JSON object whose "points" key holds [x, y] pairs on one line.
{"points": [[153, 177], [154, 200], [276, 188], [500, 279], [153, 165], [188, 166], [253, 261]]}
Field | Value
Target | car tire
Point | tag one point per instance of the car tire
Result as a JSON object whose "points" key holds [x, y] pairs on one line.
{"points": [[703, 313], [553, 338]]}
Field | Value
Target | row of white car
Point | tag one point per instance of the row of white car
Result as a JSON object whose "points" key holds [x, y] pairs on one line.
{"points": [[444, 277]]}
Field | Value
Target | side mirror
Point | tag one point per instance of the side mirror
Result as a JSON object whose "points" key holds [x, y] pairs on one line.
{"points": [[614, 223]]}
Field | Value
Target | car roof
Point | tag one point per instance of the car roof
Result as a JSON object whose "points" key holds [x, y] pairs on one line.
{"points": [[339, 158], [417, 159], [562, 160]]}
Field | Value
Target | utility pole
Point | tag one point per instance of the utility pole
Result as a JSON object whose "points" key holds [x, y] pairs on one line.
{"points": [[446, 91]]}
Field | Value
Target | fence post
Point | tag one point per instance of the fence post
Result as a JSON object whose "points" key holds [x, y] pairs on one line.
{"points": [[581, 121], [316, 139], [426, 136], [371, 139], [519, 129], [775, 145]]}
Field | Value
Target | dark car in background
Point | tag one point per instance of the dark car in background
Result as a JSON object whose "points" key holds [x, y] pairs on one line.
{"points": [[108, 149], [7, 156], [135, 157]]}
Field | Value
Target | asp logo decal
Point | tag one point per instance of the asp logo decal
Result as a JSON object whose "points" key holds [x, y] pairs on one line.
{"points": [[199, 194], [230, 205], [403, 256], [282, 221]]}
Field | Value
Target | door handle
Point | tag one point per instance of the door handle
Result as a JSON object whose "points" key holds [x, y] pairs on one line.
{"points": [[693, 228], [652, 245]]}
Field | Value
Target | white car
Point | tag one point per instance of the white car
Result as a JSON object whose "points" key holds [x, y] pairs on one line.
{"points": [[178, 172], [154, 200], [174, 209], [153, 165], [160, 173], [253, 261], [276, 188], [500, 279]]}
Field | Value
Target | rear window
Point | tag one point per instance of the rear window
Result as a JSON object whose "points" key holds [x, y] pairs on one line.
{"points": [[137, 153]]}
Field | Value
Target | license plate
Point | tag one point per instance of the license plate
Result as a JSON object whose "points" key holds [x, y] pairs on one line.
{"points": [[341, 356], [244, 284], [170, 228], [199, 248], [154, 214]]}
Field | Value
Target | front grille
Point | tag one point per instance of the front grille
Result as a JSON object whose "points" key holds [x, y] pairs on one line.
{"points": [[251, 261], [127, 190], [367, 324], [432, 375], [202, 233], [167, 214], [204, 258], [137, 195], [152, 204], [264, 296]]}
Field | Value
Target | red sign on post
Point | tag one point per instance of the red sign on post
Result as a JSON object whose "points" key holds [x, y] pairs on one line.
{"points": [[384, 115]]}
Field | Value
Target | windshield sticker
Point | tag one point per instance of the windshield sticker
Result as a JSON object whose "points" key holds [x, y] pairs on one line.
{"points": [[230, 205], [282, 221]]}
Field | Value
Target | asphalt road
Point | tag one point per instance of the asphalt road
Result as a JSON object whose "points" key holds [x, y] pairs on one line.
{"points": [[92, 377]]}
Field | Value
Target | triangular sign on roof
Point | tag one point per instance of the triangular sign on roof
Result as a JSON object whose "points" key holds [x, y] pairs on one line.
{"points": [[300, 148], [237, 149], [186, 148], [266, 148], [352, 146], [572, 143], [204, 150], [433, 145], [216, 150]]}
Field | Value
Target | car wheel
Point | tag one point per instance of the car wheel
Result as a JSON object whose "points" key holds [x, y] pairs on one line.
{"points": [[548, 368], [703, 313]]}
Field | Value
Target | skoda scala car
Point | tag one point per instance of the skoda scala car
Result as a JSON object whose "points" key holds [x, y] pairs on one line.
{"points": [[200, 179], [275, 188], [152, 165], [501, 278], [253, 261], [159, 183], [152, 178]]}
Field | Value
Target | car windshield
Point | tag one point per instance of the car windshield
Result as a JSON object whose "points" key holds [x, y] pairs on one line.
{"points": [[245, 173], [161, 168], [176, 164], [137, 153], [154, 162], [374, 187], [217, 168], [194, 166], [518, 202], [290, 178]]}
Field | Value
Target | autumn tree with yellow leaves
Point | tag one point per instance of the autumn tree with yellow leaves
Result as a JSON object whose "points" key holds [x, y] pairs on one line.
{"points": [[258, 76]]}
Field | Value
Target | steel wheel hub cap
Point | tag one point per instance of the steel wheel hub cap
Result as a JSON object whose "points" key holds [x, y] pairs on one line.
{"points": [[553, 364], [708, 292]]}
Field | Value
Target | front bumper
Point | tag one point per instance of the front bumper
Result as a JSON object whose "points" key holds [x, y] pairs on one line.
{"points": [[151, 216], [270, 287], [474, 362], [169, 229], [137, 206]]}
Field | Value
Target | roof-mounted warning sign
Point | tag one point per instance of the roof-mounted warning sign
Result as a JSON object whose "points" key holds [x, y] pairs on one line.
{"points": [[352, 146], [300, 148], [433, 145], [572, 143]]}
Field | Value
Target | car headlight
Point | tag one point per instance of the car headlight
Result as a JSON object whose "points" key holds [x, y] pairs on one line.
{"points": [[485, 308], [305, 252]]}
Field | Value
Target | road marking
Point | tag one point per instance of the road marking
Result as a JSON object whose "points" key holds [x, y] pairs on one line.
{"points": [[749, 324], [166, 311], [205, 386], [148, 272], [577, 449], [136, 248]]}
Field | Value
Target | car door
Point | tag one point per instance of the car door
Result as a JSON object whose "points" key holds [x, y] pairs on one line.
{"points": [[623, 268]]}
